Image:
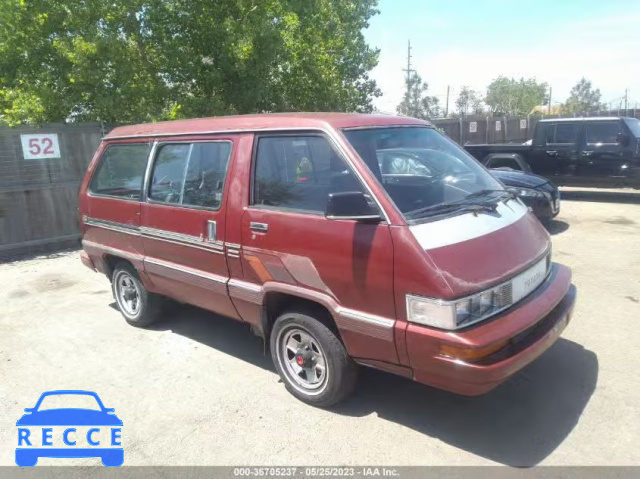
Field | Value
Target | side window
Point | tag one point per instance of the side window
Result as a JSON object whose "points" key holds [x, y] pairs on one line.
{"points": [[121, 170], [299, 172], [562, 134], [598, 133], [190, 174]]}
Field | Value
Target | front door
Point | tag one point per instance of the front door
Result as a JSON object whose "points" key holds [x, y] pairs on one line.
{"points": [[183, 223], [287, 239]]}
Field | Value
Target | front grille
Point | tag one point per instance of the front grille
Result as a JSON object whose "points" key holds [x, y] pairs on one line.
{"points": [[504, 295]]}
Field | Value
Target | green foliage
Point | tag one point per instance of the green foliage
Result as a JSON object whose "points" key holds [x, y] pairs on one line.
{"points": [[143, 60], [583, 99], [415, 102], [508, 96], [468, 102]]}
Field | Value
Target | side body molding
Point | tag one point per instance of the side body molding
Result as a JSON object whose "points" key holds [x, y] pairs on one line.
{"points": [[363, 333]]}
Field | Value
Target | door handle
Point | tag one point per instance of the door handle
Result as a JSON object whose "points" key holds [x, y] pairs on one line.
{"points": [[262, 227], [587, 153], [551, 152]]}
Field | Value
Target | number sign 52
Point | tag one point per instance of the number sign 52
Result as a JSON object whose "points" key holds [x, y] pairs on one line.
{"points": [[35, 147]]}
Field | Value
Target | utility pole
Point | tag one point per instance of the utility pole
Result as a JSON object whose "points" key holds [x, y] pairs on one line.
{"points": [[549, 109], [409, 106], [626, 100], [446, 108], [408, 69]]}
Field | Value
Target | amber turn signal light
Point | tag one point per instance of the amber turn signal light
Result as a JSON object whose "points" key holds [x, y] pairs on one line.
{"points": [[471, 354]]}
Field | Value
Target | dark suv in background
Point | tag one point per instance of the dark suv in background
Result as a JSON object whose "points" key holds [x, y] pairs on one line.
{"points": [[597, 152]]}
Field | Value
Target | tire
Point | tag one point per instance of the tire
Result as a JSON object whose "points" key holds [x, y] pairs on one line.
{"points": [[139, 307], [299, 338]]}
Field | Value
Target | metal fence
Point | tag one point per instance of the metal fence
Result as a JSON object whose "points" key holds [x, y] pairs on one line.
{"points": [[40, 172], [502, 129]]}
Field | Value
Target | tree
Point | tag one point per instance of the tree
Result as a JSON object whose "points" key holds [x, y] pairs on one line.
{"points": [[508, 96], [416, 102], [583, 99], [145, 60], [468, 102]]}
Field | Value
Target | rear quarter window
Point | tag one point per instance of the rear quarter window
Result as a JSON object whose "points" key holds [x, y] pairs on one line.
{"points": [[603, 133], [121, 171]]}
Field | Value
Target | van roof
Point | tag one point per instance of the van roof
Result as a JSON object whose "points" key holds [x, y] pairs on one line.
{"points": [[265, 121]]}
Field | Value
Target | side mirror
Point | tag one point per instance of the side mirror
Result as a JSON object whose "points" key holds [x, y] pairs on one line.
{"points": [[622, 139], [350, 205]]}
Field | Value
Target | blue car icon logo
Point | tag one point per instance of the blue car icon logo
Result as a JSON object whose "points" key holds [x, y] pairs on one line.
{"points": [[69, 424]]}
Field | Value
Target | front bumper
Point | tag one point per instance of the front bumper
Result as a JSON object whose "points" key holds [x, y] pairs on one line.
{"points": [[543, 208], [530, 327]]}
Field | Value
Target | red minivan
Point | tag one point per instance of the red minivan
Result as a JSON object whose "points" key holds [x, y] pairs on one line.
{"points": [[341, 239]]}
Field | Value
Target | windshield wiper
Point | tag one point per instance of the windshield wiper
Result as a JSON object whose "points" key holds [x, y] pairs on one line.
{"points": [[451, 207], [466, 201], [504, 193]]}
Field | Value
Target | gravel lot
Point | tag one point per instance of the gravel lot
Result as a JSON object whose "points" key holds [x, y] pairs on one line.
{"points": [[197, 389]]}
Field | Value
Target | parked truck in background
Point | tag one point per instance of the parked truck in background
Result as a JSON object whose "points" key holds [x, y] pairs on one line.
{"points": [[594, 151]]}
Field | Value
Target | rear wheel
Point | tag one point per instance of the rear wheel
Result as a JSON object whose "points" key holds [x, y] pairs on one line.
{"points": [[138, 306], [311, 359]]}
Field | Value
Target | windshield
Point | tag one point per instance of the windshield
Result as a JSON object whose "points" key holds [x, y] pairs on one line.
{"points": [[634, 126], [423, 171]]}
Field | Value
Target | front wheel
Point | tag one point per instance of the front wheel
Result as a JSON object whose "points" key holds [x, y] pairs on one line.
{"points": [[311, 359]]}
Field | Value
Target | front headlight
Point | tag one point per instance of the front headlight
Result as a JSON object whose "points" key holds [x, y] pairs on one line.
{"points": [[453, 314], [526, 192], [463, 312]]}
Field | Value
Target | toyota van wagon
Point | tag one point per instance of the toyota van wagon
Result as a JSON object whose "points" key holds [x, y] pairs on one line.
{"points": [[314, 230]]}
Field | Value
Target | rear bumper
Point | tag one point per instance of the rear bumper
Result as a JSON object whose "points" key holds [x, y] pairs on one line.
{"points": [[86, 260], [531, 328]]}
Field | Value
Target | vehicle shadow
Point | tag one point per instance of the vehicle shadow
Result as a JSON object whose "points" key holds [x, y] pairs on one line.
{"points": [[555, 227], [518, 424], [224, 334], [601, 196]]}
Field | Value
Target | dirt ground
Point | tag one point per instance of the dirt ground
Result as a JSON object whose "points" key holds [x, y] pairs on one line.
{"points": [[197, 389]]}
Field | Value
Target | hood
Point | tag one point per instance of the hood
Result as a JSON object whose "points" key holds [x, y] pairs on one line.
{"points": [[473, 253], [518, 179], [69, 417]]}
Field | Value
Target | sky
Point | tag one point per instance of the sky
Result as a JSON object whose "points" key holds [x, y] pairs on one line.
{"points": [[465, 42]]}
